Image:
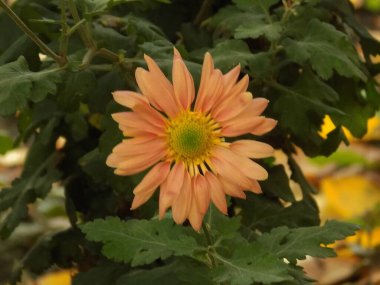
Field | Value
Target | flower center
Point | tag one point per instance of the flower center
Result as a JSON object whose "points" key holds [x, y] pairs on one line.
{"points": [[191, 137]]}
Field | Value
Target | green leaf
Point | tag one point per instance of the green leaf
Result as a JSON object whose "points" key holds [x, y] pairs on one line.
{"points": [[173, 273], [249, 264], [238, 53], [255, 5], [35, 182], [255, 29], [6, 143], [327, 50], [139, 241], [294, 244], [299, 177], [103, 274], [18, 85], [277, 176], [263, 213]]}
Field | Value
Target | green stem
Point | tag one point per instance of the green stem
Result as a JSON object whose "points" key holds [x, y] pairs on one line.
{"points": [[64, 41], [83, 32], [202, 13], [44, 48], [209, 243]]}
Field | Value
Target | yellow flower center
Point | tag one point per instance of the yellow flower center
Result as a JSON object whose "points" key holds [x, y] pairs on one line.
{"points": [[191, 137]]}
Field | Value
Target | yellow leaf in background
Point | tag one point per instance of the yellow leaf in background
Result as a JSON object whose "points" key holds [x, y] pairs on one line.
{"points": [[373, 132], [365, 239], [56, 278], [348, 197]]}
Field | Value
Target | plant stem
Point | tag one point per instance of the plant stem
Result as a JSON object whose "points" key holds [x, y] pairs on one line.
{"points": [[209, 243], [44, 48], [64, 40], [83, 32], [202, 13]]}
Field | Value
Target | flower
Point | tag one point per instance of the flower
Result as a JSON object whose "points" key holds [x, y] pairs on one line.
{"points": [[182, 137]]}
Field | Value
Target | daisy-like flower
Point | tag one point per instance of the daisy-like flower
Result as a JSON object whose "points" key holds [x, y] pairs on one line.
{"points": [[183, 138]]}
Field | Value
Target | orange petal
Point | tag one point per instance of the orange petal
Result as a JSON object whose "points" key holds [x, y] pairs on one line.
{"points": [[157, 93], [266, 126], [145, 189], [207, 71], [181, 205], [132, 121], [137, 146], [182, 81], [213, 91], [256, 188], [225, 112], [232, 189], [129, 99], [230, 173], [136, 164], [195, 216], [153, 178], [230, 78], [251, 148], [150, 115], [217, 195], [248, 167], [201, 193], [240, 126], [172, 188]]}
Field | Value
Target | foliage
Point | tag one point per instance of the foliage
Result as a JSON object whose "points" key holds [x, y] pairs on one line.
{"points": [[299, 54]]}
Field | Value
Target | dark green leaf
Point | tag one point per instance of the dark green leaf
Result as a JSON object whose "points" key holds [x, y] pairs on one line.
{"points": [[298, 243], [18, 85], [249, 264], [139, 241]]}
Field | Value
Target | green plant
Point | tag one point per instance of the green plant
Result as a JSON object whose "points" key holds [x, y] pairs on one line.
{"points": [[300, 54]]}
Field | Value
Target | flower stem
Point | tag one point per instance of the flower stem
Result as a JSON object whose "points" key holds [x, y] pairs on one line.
{"points": [[44, 48], [64, 40], [209, 243], [202, 13], [83, 29]]}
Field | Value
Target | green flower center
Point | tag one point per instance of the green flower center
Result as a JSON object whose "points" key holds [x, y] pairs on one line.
{"points": [[191, 136]]}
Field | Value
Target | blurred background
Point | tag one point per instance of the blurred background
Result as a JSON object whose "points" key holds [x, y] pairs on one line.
{"points": [[348, 183]]}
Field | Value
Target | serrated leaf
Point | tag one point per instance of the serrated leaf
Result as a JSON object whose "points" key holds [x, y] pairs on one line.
{"points": [[103, 274], [255, 29], [238, 53], [294, 244], [18, 85], [139, 241], [327, 49], [263, 213], [249, 264], [255, 5]]}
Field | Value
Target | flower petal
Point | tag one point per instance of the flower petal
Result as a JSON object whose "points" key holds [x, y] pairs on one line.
{"points": [[251, 148], [182, 81], [248, 167], [132, 147], [232, 106], [230, 78], [195, 216], [172, 188], [241, 126], [201, 193], [266, 126], [145, 189], [181, 205], [213, 91], [129, 99], [232, 189], [217, 195], [155, 90], [128, 165], [207, 71], [129, 121]]}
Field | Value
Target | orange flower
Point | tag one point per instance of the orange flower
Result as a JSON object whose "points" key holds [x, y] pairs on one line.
{"points": [[185, 142]]}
